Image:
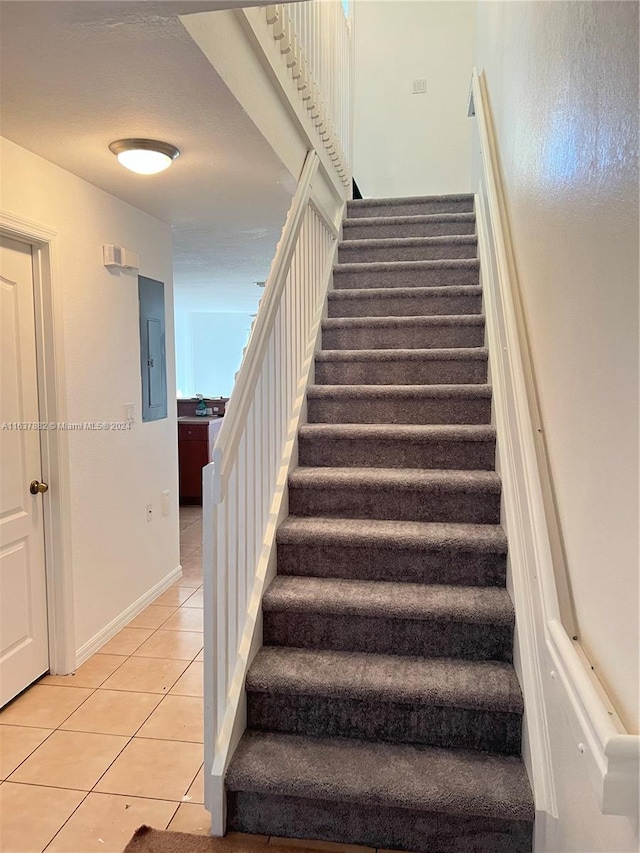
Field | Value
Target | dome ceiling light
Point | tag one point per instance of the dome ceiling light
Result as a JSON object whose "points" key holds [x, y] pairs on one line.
{"points": [[144, 156]]}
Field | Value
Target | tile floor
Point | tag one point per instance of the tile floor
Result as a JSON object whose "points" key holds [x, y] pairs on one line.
{"points": [[85, 759]]}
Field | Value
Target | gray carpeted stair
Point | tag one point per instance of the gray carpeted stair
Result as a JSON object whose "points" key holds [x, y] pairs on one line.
{"points": [[432, 225], [407, 274], [407, 249], [405, 301], [384, 709], [402, 366], [463, 447]]}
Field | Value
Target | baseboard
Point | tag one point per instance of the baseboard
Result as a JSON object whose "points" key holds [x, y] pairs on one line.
{"points": [[105, 634]]}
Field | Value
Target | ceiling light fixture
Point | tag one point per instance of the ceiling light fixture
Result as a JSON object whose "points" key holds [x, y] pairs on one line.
{"points": [[144, 156]]}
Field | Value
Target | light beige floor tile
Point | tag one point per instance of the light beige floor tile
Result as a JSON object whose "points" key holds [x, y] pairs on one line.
{"points": [[92, 673], [192, 578], [44, 706], [30, 815], [152, 617], [106, 822], [176, 718], [159, 769], [126, 641], [146, 675], [190, 684], [196, 790], [70, 760], [192, 536], [187, 550], [192, 818], [195, 600], [174, 596], [112, 712], [184, 619], [179, 645], [331, 846], [16, 744]]}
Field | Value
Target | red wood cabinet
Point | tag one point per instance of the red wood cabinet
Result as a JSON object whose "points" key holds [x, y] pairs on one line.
{"points": [[195, 442]]}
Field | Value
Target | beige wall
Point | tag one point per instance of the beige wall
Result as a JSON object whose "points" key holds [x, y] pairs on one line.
{"points": [[117, 556], [408, 144], [562, 79]]}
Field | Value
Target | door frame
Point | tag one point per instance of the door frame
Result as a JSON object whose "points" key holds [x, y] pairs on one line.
{"points": [[53, 443]]}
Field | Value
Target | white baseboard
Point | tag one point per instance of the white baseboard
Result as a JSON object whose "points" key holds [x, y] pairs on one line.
{"points": [[105, 634]]}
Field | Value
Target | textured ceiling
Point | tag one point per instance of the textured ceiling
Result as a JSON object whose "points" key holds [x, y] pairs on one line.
{"points": [[77, 75]]}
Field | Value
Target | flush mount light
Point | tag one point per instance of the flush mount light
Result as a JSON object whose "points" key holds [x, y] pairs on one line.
{"points": [[144, 156]]}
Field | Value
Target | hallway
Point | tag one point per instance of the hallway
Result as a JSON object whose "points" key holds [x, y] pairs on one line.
{"points": [[85, 759]]}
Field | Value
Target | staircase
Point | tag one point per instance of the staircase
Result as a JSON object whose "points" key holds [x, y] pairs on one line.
{"points": [[384, 709]]}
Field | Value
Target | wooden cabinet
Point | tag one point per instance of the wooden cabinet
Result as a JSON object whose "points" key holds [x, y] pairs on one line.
{"points": [[196, 437]]}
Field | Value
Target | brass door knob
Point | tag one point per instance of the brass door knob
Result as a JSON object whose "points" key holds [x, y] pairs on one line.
{"points": [[37, 488]]}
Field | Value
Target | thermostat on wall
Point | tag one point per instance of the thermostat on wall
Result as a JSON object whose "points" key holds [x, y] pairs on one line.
{"points": [[120, 258]]}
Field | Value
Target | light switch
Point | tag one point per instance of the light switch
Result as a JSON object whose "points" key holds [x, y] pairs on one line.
{"points": [[420, 86]]}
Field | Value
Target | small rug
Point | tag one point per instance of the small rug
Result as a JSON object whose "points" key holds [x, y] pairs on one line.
{"points": [[148, 840]]}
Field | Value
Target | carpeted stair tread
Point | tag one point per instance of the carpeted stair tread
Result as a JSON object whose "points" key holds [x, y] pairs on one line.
{"points": [[398, 392], [374, 355], [407, 266], [478, 482], [401, 242], [410, 205], [360, 294], [400, 432], [484, 538], [415, 219], [424, 779], [403, 322], [389, 600], [490, 685], [408, 248]]}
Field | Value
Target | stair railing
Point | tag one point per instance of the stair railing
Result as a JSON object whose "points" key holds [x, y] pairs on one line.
{"points": [[244, 487]]}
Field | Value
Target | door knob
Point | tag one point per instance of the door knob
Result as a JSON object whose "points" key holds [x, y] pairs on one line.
{"points": [[38, 488]]}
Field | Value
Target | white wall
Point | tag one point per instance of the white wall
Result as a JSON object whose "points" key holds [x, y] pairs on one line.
{"points": [[408, 144], [562, 80], [117, 556]]}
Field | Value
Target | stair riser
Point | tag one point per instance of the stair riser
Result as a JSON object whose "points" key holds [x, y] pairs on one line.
{"points": [[447, 410], [352, 230], [427, 252], [410, 208], [388, 636], [401, 565], [376, 826], [437, 505], [415, 306], [441, 372], [414, 336], [375, 453], [436, 277], [394, 722]]}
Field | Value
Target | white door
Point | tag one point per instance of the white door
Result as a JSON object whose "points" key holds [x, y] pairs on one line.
{"points": [[24, 650]]}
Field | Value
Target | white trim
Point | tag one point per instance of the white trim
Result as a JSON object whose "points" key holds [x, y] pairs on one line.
{"points": [[546, 656], [54, 447], [105, 634]]}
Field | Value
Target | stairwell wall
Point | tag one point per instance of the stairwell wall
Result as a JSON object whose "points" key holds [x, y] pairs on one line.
{"points": [[408, 144], [562, 81]]}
